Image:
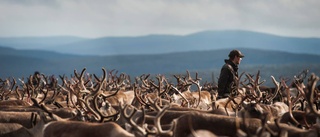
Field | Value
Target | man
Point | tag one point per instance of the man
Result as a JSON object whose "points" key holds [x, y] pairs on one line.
{"points": [[229, 73]]}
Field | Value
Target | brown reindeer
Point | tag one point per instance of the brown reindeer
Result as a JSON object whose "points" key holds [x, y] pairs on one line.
{"points": [[226, 126]]}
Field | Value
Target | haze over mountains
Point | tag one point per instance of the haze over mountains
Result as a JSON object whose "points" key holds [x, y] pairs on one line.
{"points": [[158, 44], [201, 52]]}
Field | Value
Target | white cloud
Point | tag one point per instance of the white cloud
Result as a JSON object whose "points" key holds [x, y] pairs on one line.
{"points": [[97, 18]]}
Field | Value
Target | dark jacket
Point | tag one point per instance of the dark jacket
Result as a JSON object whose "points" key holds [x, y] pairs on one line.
{"points": [[229, 72]]}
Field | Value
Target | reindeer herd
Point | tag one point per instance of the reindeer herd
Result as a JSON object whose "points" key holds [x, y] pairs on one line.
{"points": [[114, 105]]}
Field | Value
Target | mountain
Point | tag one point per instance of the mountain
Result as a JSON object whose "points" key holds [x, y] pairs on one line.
{"points": [[39, 43], [161, 44], [22, 63], [38, 54]]}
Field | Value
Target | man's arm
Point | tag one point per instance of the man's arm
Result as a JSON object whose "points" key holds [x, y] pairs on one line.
{"points": [[223, 80]]}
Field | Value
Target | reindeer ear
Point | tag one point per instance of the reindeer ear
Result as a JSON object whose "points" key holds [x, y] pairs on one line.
{"points": [[33, 119], [35, 103]]}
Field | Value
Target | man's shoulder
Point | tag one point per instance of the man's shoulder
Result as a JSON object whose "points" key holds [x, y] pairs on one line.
{"points": [[227, 66]]}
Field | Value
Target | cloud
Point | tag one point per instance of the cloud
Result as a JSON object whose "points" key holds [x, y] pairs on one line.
{"points": [[97, 18]]}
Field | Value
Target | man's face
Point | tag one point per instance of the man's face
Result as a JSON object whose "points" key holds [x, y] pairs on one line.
{"points": [[237, 60]]}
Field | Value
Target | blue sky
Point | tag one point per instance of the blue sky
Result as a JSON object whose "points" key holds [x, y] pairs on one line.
{"points": [[100, 18]]}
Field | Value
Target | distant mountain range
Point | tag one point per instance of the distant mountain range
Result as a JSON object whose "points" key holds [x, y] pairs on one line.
{"points": [[202, 52], [160, 44], [22, 63]]}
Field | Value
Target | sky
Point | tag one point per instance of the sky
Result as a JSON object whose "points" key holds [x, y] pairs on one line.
{"points": [[102, 18]]}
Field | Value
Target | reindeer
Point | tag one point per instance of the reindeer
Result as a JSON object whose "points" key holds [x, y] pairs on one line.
{"points": [[14, 130], [226, 126]]}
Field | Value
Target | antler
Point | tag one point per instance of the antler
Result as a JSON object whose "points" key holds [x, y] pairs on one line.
{"points": [[290, 105], [277, 88], [312, 82], [159, 131], [255, 85], [129, 119]]}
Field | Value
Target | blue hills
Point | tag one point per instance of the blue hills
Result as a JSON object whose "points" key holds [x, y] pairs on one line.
{"points": [[159, 44], [202, 52]]}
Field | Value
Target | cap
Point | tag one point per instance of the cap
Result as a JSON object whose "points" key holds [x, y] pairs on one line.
{"points": [[234, 53]]}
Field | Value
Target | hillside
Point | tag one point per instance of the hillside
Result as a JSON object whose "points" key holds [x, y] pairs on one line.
{"points": [[38, 43], [161, 44], [22, 63]]}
